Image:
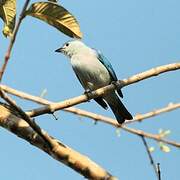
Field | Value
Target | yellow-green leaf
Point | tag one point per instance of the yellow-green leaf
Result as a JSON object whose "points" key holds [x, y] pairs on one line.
{"points": [[164, 147], [8, 15], [164, 133], [151, 149], [43, 93], [57, 16], [118, 132]]}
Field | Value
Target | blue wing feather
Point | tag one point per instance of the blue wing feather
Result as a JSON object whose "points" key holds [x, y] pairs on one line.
{"points": [[107, 64], [109, 67]]}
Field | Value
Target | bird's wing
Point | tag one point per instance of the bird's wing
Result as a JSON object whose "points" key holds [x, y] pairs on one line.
{"points": [[107, 64], [109, 67], [78, 78], [101, 102]]}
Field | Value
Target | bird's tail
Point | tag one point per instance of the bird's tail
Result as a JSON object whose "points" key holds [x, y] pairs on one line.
{"points": [[118, 108]]}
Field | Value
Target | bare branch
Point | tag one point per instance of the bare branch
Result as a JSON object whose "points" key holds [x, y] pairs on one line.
{"points": [[62, 153], [102, 91], [32, 124], [150, 156], [151, 136], [91, 115], [159, 171], [140, 117], [150, 73], [13, 38], [97, 117]]}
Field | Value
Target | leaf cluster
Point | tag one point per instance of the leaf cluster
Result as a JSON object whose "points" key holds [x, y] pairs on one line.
{"points": [[50, 12]]}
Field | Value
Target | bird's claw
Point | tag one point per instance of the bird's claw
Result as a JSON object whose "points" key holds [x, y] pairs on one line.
{"points": [[86, 92], [116, 84]]}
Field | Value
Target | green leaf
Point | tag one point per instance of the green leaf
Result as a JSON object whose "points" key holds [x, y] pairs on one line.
{"points": [[118, 132], [164, 147], [164, 133], [43, 93], [8, 15], [57, 16], [151, 149]]}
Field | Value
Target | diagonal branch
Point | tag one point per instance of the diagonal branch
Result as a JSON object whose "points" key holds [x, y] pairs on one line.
{"points": [[94, 116], [62, 153], [159, 171], [80, 112], [151, 136], [13, 38], [140, 117], [104, 90], [51, 107], [150, 156], [150, 73], [32, 124]]}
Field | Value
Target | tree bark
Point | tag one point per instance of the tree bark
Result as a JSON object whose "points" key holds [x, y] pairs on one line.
{"points": [[10, 120]]}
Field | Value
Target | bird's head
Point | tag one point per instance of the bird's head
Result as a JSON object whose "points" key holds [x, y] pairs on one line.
{"points": [[71, 48]]}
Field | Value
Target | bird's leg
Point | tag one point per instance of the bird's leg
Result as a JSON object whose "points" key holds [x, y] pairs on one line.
{"points": [[118, 87], [86, 92], [115, 84], [118, 84]]}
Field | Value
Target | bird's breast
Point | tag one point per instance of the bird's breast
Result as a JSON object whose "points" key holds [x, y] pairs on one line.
{"points": [[91, 73]]}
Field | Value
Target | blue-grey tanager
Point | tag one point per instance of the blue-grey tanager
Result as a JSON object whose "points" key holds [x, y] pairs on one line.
{"points": [[94, 71]]}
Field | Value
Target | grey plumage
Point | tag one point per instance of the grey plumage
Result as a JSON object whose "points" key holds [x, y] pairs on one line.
{"points": [[94, 71]]}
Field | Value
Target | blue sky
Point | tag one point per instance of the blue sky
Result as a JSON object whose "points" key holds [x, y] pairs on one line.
{"points": [[135, 36]]}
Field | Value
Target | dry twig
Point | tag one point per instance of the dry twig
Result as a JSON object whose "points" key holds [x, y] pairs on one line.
{"points": [[13, 38], [150, 156], [91, 115], [102, 91], [32, 123]]}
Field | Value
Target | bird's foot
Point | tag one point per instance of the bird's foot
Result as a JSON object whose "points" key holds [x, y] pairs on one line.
{"points": [[117, 84], [87, 92]]}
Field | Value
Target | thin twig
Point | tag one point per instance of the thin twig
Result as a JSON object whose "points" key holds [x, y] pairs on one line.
{"points": [[159, 171], [140, 117], [102, 91], [91, 115], [149, 73], [150, 156], [155, 137], [13, 38], [80, 112]]}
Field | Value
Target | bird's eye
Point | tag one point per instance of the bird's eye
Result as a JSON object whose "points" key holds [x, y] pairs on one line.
{"points": [[67, 44]]}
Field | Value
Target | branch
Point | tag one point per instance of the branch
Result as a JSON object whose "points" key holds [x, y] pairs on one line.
{"points": [[151, 136], [13, 38], [62, 153], [102, 91], [159, 171], [140, 117], [91, 115], [150, 156], [80, 112], [32, 124], [150, 73]]}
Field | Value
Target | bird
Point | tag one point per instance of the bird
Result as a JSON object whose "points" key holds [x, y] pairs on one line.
{"points": [[94, 71]]}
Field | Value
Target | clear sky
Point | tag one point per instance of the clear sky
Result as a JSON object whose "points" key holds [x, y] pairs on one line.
{"points": [[135, 35]]}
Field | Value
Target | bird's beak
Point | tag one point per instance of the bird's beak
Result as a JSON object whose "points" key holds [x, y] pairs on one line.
{"points": [[59, 50]]}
